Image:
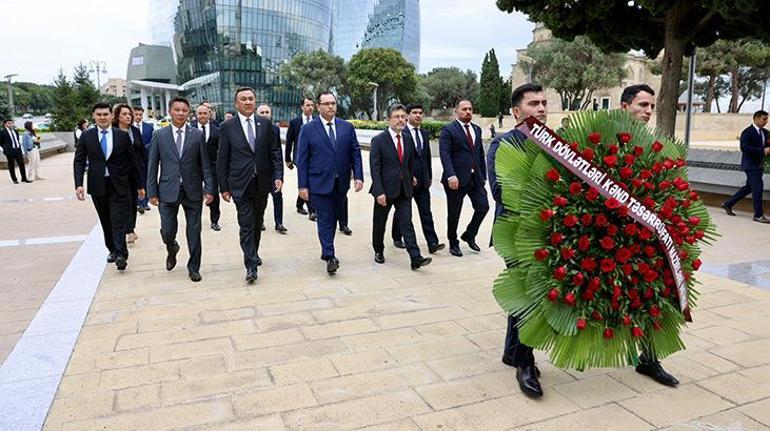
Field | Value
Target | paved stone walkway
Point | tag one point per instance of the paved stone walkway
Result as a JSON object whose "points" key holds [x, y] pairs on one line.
{"points": [[379, 346]]}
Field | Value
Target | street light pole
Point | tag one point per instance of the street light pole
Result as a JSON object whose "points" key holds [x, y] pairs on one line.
{"points": [[690, 85], [10, 92], [375, 114], [99, 67]]}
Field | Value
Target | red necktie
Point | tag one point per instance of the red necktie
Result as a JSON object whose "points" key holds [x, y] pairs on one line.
{"points": [[468, 137], [400, 149]]}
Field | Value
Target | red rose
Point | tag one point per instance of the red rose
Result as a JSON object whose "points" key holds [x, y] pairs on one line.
{"points": [[657, 168], [592, 194], [553, 175], [638, 151], [559, 273], [586, 220], [594, 284], [612, 203], [627, 269], [608, 333], [588, 295], [629, 159], [693, 195], [597, 316], [623, 255], [560, 201], [637, 331], [699, 234], [575, 188], [650, 276], [541, 254], [626, 173], [588, 264], [680, 163], [556, 238], [626, 320], [649, 293], [607, 243], [694, 220], [595, 138], [607, 265], [668, 163], [610, 161], [624, 137], [637, 183], [684, 185], [546, 214], [573, 146], [601, 220], [588, 154], [577, 280], [569, 299], [664, 185], [613, 149], [686, 203], [632, 294], [553, 295], [581, 324], [683, 254], [657, 146], [570, 220], [567, 253], [649, 250], [654, 311], [696, 264], [612, 230], [630, 229], [584, 243], [644, 234], [645, 174]]}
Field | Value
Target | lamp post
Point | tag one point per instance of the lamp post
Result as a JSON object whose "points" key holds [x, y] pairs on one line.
{"points": [[98, 67], [375, 114], [10, 92], [690, 85]]}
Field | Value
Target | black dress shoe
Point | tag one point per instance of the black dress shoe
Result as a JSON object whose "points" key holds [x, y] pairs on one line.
{"points": [[140, 209], [301, 210], [263, 227], [528, 383], [346, 230], [379, 257], [507, 360], [471, 241], [399, 244], [656, 372], [312, 216], [215, 226], [195, 276], [16, 181], [332, 265], [455, 251], [111, 257], [281, 228], [171, 257], [251, 275], [259, 261], [121, 263], [761, 219], [27, 181], [435, 247], [727, 209], [420, 261]]}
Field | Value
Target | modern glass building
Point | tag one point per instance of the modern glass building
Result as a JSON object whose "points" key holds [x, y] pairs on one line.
{"points": [[359, 24]]}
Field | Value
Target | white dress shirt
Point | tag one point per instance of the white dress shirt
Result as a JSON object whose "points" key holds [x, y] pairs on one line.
{"points": [[393, 135], [307, 119], [244, 125]]}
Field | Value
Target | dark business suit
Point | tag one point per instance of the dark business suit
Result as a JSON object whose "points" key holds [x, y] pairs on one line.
{"points": [[393, 178], [514, 352], [753, 145], [212, 147], [184, 178], [423, 171], [146, 130], [324, 167], [466, 162], [277, 194], [249, 175], [138, 145], [292, 137], [13, 153], [111, 193]]}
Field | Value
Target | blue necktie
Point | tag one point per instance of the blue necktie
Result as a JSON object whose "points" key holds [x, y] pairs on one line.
{"points": [[419, 140], [332, 136], [103, 143]]}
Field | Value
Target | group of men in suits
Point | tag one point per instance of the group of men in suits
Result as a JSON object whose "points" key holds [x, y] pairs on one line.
{"points": [[14, 154]]}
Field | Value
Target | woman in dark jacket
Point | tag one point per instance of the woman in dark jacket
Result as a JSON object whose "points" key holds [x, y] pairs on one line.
{"points": [[122, 118]]}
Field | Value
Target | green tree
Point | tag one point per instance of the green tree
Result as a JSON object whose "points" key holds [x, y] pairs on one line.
{"points": [[575, 69], [505, 96], [421, 94], [447, 85], [710, 63], [64, 116], [386, 67], [314, 72], [5, 112], [676, 26], [85, 93], [490, 86]]}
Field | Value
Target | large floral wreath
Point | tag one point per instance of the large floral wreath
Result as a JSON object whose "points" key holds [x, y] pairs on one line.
{"points": [[589, 283]]}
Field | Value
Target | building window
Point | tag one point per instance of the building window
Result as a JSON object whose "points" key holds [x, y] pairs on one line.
{"points": [[137, 61], [605, 103]]}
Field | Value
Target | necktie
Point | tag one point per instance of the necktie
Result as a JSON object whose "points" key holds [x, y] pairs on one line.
{"points": [[468, 137], [400, 149], [179, 142], [205, 136], [103, 143], [250, 134], [307, 120], [13, 138], [332, 136], [418, 139]]}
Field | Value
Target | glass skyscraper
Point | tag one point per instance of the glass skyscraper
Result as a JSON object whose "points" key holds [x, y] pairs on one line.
{"points": [[360, 24]]}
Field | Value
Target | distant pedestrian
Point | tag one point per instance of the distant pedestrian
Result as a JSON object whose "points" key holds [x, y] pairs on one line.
{"points": [[492, 131], [499, 120], [81, 127], [229, 115], [31, 144], [14, 154], [264, 110], [123, 118], [755, 146]]}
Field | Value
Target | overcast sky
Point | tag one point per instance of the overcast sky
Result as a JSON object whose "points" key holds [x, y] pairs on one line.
{"points": [[41, 36]]}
